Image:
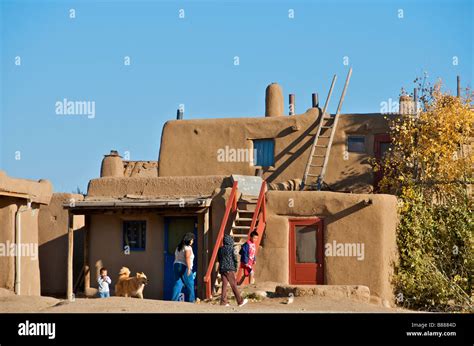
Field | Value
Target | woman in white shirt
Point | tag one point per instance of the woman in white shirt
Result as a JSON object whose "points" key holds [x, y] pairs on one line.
{"points": [[183, 268]]}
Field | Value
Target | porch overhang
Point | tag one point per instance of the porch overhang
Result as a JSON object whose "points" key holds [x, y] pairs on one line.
{"points": [[194, 204]]}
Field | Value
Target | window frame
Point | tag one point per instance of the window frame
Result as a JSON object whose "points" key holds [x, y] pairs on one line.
{"points": [[125, 237], [354, 136], [255, 163]]}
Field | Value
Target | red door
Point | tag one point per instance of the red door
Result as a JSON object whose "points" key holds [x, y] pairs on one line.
{"points": [[306, 251], [381, 145]]}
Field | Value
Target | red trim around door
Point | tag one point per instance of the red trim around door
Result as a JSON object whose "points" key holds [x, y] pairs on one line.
{"points": [[307, 273]]}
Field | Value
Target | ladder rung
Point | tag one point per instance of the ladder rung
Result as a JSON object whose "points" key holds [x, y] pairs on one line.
{"points": [[316, 165], [319, 155], [328, 118], [326, 127], [324, 136], [321, 146], [313, 175]]}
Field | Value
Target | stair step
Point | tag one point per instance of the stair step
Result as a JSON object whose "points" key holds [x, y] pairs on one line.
{"points": [[239, 236], [245, 211], [240, 227], [244, 219]]}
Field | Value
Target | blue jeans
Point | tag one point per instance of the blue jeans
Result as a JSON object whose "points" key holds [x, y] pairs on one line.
{"points": [[181, 278], [104, 294]]}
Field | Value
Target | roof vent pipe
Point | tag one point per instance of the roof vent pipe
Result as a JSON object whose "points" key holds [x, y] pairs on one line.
{"points": [[292, 104], [315, 100]]}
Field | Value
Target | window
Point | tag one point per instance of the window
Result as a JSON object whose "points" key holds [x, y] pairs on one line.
{"points": [[134, 235], [356, 144], [306, 244], [264, 151]]}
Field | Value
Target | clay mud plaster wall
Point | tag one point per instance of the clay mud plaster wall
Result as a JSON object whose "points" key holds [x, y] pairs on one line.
{"points": [[115, 187], [106, 250], [190, 147], [30, 274], [53, 243], [346, 220]]}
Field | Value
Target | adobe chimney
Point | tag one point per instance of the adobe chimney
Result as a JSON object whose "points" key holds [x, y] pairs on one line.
{"points": [[274, 101], [112, 165]]}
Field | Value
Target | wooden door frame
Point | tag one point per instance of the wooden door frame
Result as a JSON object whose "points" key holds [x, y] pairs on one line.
{"points": [[292, 246]]}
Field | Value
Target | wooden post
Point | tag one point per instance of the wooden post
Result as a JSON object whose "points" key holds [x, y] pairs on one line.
{"points": [[87, 272], [70, 233]]}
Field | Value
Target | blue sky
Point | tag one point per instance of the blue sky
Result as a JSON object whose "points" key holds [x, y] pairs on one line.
{"points": [[190, 61]]}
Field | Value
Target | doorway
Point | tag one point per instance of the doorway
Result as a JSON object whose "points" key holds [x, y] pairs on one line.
{"points": [[306, 252], [175, 228]]}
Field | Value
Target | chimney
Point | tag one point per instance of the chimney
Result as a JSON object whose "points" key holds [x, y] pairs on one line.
{"points": [[458, 88], [112, 165], [406, 105], [292, 104], [274, 101]]}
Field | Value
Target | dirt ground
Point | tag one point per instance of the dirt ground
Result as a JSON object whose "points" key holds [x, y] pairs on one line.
{"points": [[10, 303]]}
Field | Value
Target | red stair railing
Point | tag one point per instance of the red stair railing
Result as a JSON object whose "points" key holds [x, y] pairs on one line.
{"points": [[259, 214], [231, 206]]}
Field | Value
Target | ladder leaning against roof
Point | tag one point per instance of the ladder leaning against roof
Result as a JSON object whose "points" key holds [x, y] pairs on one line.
{"points": [[322, 142]]}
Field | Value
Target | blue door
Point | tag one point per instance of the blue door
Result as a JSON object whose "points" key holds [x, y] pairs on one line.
{"points": [[175, 229]]}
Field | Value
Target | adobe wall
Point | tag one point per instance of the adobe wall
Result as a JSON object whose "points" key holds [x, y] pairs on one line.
{"points": [[190, 147], [38, 191], [346, 220], [53, 243], [106, 250], [8, 208], [30, 275], [115, 187]]}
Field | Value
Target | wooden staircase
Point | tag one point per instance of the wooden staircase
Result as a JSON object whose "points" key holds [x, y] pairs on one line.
{"points": [[248, 213], [243, 220]]}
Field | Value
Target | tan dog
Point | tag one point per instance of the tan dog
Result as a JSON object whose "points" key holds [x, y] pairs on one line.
{"points": [[130, 286]]}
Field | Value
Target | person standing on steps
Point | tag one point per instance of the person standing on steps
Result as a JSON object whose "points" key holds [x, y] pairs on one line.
{"points": [[227, 268], [248, 257]]}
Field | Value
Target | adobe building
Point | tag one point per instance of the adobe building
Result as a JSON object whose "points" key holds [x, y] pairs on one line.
{"points": [[217, 176], [20, 201]]}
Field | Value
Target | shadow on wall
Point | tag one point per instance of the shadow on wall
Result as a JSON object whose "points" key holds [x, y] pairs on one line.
{"points": [[53, 263], [345, 212], [274, 173], [352, 180]]}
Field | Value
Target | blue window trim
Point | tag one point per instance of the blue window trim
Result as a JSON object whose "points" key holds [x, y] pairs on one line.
{"points": [[124, 243]]}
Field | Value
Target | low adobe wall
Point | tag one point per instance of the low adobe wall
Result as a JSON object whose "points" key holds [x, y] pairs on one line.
{"points": [[117, 187], [53, 243], [346, 220]]}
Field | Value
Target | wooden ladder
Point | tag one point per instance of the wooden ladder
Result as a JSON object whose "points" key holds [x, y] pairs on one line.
{"points": [[322, 142]]}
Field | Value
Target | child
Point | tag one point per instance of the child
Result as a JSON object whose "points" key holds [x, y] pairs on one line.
{"points": [[104, 282], [248, 258], [227, 268]]}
